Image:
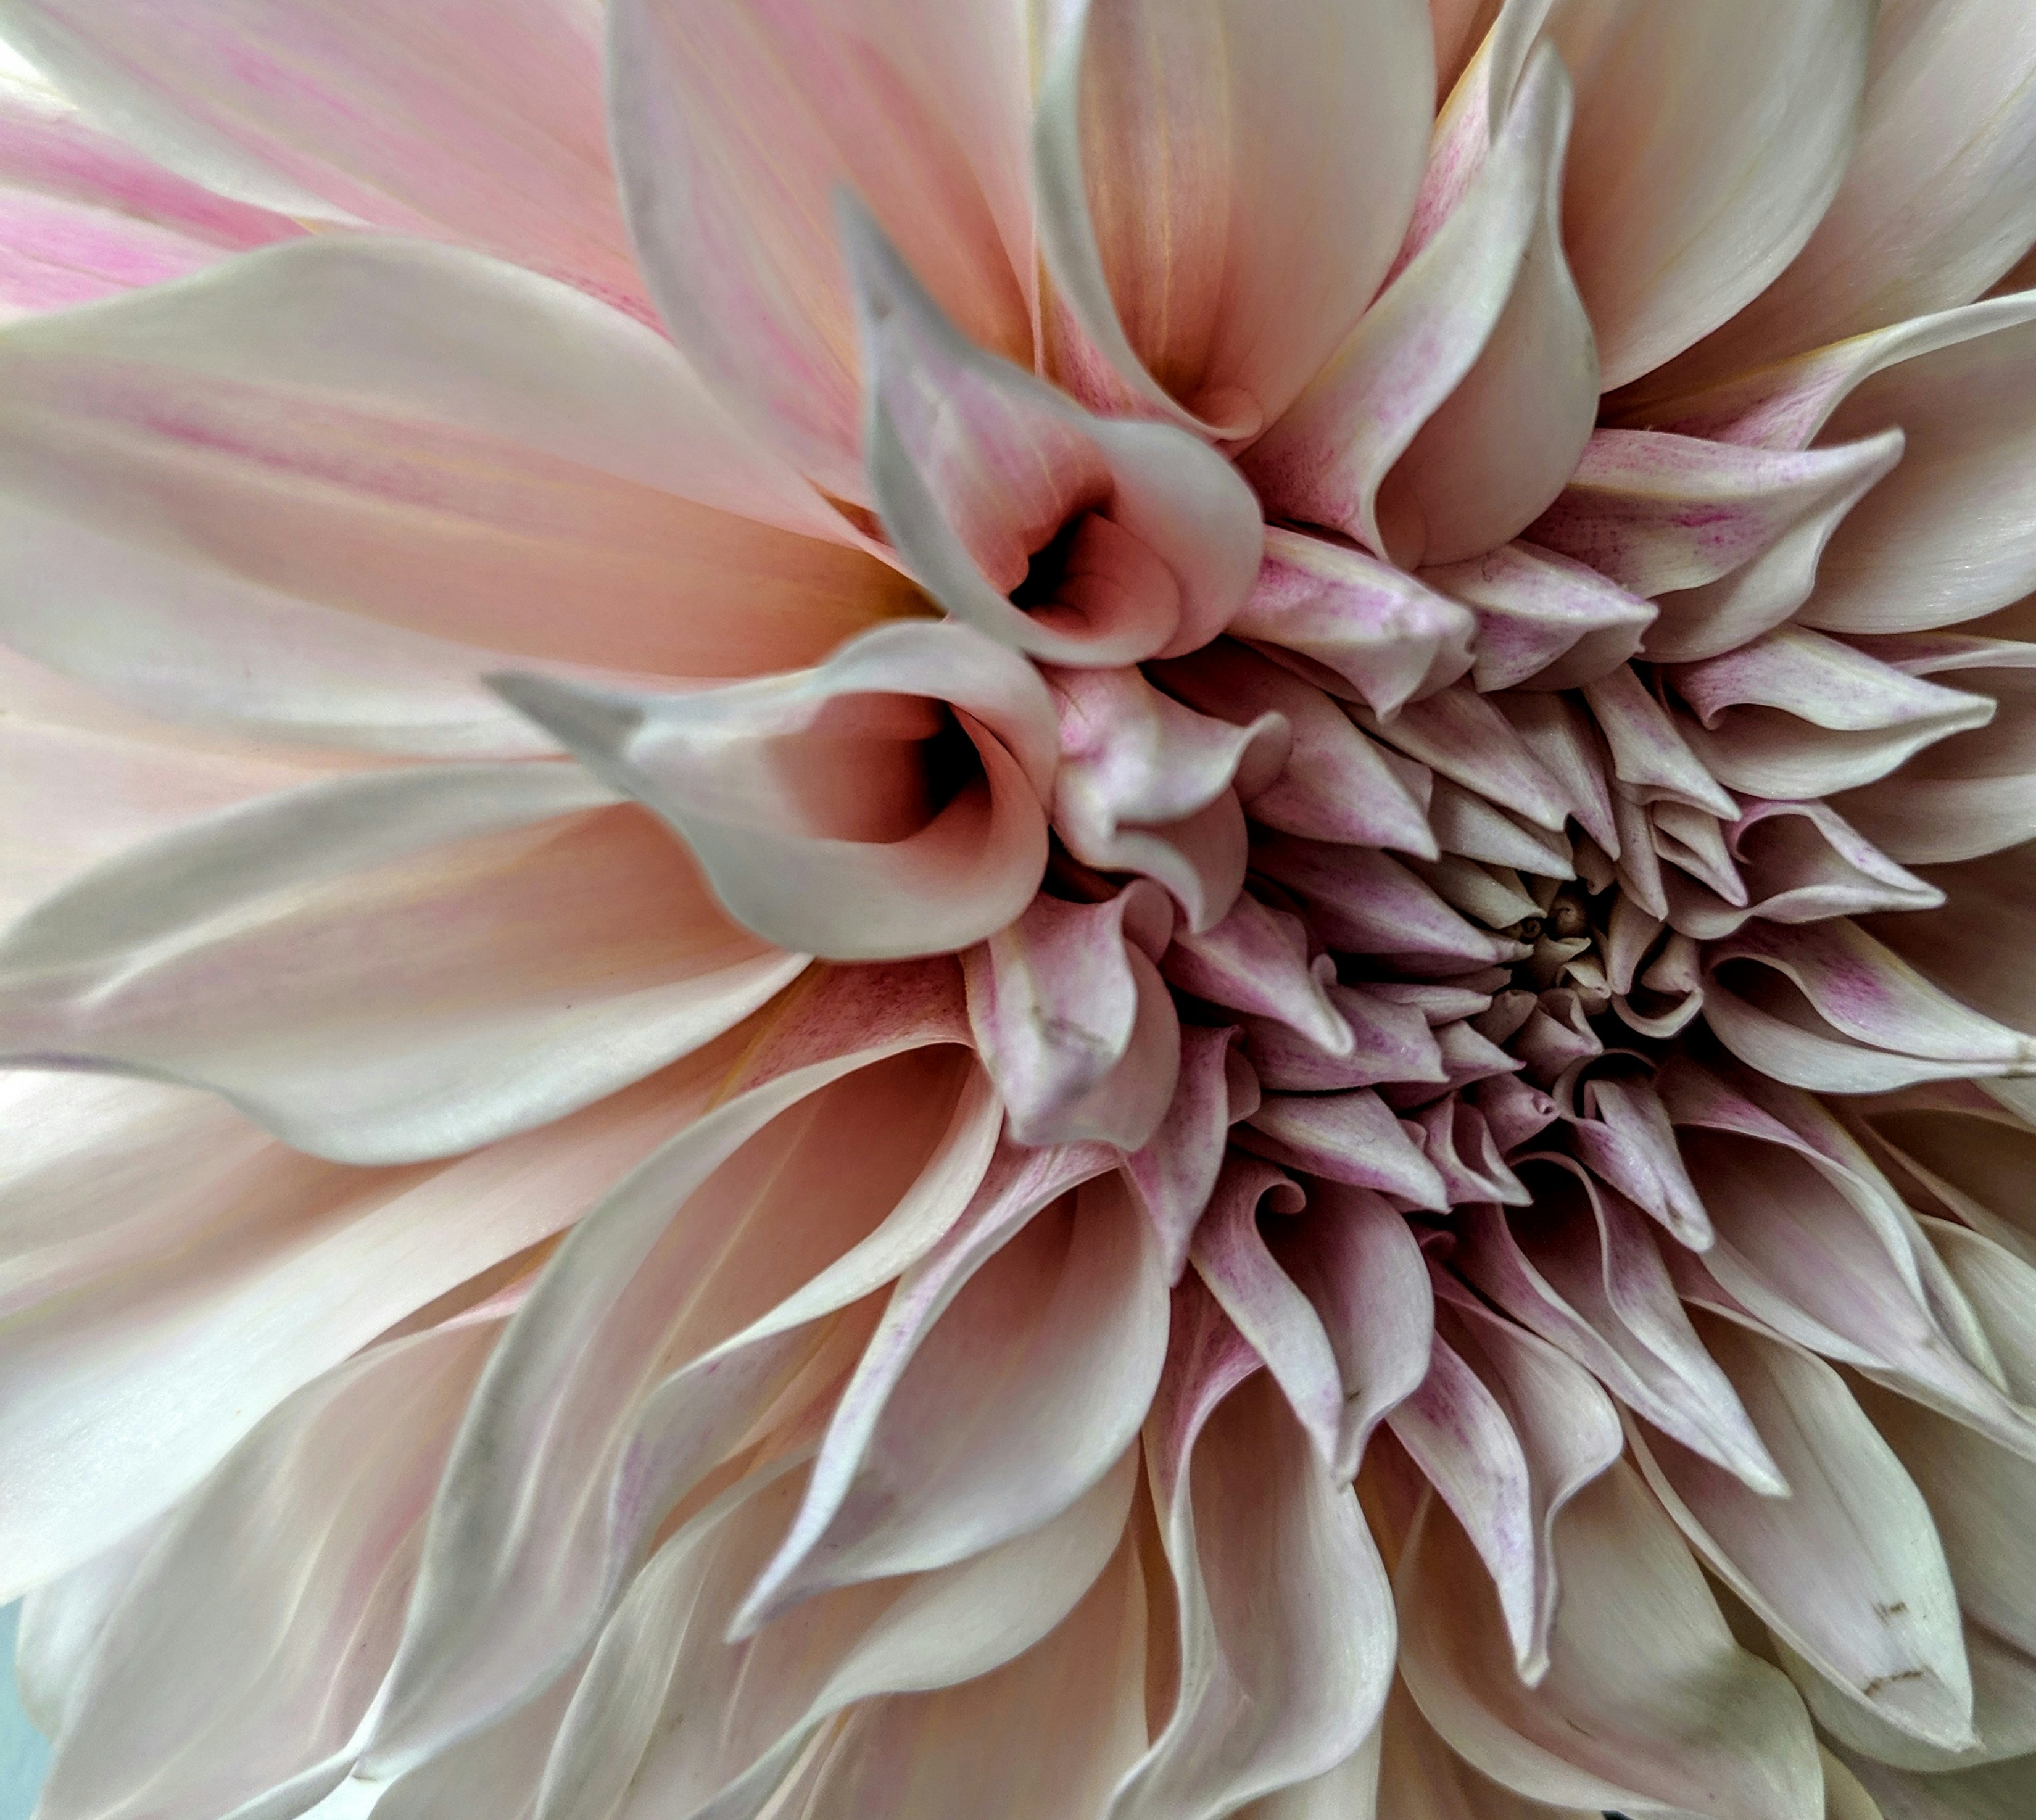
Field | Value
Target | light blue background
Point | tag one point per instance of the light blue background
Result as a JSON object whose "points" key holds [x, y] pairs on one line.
{"points": [[23, 1751]]}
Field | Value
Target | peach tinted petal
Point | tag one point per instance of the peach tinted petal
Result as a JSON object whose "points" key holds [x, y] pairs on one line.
{"points": [[1183, 173], [735, 124], [464, 120], [1708, 142], [371, 471]]}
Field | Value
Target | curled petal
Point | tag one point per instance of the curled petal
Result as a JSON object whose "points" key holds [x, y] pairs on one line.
{"points": [[1946, 537], [734, 128], [1457, 733], [1175, 1173], [1121, 540], [1145, 786], [1256, 961], [1852, 1015], [1364, 901], [1626, 1138], [1798, 714], [1334, 785], [1185, 158], [1508, 1431], [1650, 753], [1723, 537], [1460, 402], [1562, 740], [1072, 1020], [1346, 1137], [1543, 622], [1286, 1619], [887, 803], [1359, 628], [1380, 1040]]}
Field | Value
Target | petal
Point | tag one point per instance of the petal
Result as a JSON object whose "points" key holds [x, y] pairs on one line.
{"points": [[1946, 537], [1457, 733], [1355, 626], [1666, 1712], [1430, 1782], [998, 1398], [1458, 405], [735, 127], [1724, 537], [1256, 961], [1073, 1022], [1508, 1430], [885, 803], [1627, 1140], [527, 958], [86, 217], [251, 1640], [1848, 1570], [672, 1718], [1346, 1137], [1286, 1618], [1708, 142], [318, 492], [1650, 751], [1127, 539], [1173, 1174], [1798, 714], [1334, 784], [1364, 902], [462, 119], [1935, 206], [737, 1213], [1185, 161], [1852, 1015], [1542, 621]]}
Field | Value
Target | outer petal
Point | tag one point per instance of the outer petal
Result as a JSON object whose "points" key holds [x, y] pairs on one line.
{"points": [[1186, 160], [465, 119], [86, 216], [523, 963], [318, 492], [1648, 1705], [1708, 142], [1935, 204], [672, 1719], [1460, 402], [1848, 1570], [735, 125], [888, 802], [251, 1642], [1946, 536], [1282, 1673]]}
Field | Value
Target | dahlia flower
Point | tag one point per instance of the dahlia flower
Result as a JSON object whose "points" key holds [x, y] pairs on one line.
{"points": [[1117, 910]]}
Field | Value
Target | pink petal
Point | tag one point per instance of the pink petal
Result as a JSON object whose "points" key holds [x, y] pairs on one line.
{"points": [[1184, 161], [1011, 1370], [735, 127], [461, 119], [1334, 784], [1346, 1137], [1629, 1714], [1460, 735], [888, 802], [1946, 537], [1073, 1022], [635, 1287], [534, 957], [1508, 1430], [1175, 1172], [81, 217], [1848, 1570], [1365, 902], [1723, 537], [1458, 405], [1144, 785], [1286, 1620], [1650, 751], [1563, 741], [1352, 624], [1542, 621], [1143, 540], [286, 1572], [1379, 1040], [369, 471], [1255, 960], [1707, 144], [1627, 1139]]}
